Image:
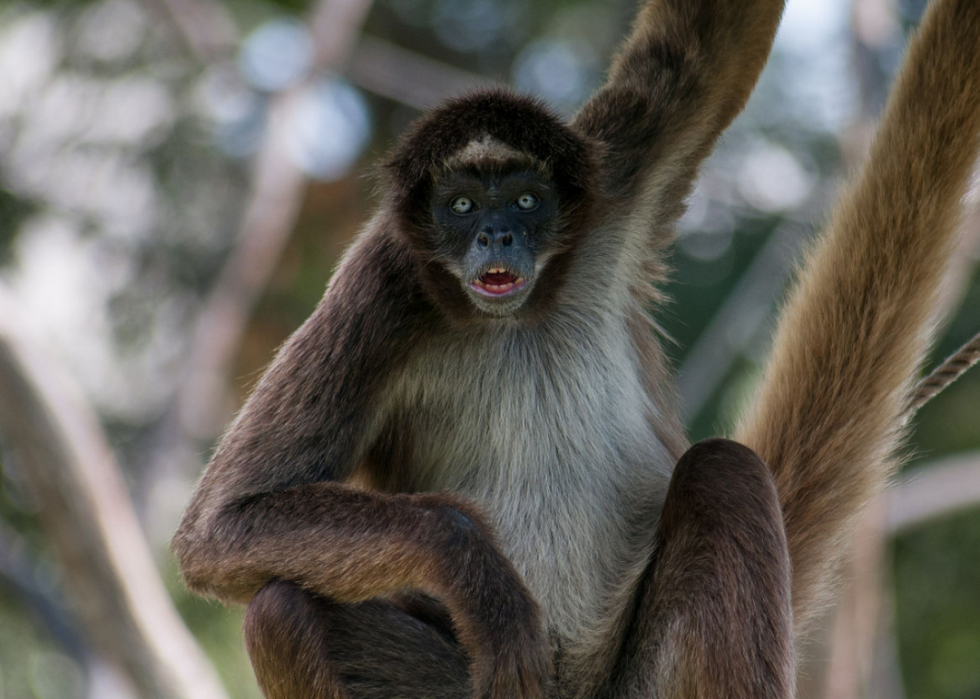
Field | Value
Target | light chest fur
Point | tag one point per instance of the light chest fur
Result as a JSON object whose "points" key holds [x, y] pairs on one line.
{"points": [[548, 429]]}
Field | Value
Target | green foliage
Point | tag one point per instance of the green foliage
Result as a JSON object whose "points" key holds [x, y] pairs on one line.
{"points": [[14, 211], [937, 580], [32, 664], [219, 631]]}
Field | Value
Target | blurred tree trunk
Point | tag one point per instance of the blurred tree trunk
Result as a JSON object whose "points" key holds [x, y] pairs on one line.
{"points": [[110, 579]]}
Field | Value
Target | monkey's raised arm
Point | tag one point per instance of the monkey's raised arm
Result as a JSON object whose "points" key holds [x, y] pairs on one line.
{"points": [[270, 505], [680, 78], [828, 415]]}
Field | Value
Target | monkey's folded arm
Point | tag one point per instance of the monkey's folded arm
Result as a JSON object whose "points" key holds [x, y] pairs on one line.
{"points": [[352, 546]]}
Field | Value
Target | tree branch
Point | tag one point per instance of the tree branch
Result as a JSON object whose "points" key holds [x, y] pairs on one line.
{"points": [[405, 76], [85, 508], [205, 27], [934, 490]]}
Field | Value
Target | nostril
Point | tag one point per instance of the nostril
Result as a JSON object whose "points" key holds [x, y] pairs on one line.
{"points": [[507, 239], [483, 240]]}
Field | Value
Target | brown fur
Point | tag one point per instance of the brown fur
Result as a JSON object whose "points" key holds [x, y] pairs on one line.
{"points": [[305, 646], [541, 571], [850, 341], [715, 616]]}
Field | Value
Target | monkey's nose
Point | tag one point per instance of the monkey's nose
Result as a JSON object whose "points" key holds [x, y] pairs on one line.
{"points": [[489, 236]]}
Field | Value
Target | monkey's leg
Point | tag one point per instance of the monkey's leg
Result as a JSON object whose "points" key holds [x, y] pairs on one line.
{"points": [[306, 647], [713, 616]]}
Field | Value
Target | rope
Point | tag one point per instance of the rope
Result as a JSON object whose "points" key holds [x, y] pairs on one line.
{"points": [[945, 374]]}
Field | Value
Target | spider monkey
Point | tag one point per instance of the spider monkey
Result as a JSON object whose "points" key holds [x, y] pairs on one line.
{"points": [[464, 475]]}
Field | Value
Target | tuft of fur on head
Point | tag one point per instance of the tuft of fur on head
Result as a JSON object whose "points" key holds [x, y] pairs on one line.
{"points": [[488, 152]]}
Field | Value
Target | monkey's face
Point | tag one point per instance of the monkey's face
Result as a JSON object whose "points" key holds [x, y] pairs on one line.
{"points": [[494, 229]]}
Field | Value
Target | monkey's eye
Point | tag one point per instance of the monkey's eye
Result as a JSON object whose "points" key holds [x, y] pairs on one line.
{"points": [[461, 205], [527, 201]]}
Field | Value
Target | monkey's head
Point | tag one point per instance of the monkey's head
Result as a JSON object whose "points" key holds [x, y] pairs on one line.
{"points": [[492, 192]]}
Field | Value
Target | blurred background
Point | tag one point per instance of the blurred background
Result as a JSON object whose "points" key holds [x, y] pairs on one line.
{"points": [[177, 181]]}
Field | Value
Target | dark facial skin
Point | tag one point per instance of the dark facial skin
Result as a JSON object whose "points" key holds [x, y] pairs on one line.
{"points": [[493, 228]]}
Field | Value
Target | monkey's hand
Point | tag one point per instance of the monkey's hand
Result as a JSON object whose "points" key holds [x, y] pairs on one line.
{"points": [[496, 618]]}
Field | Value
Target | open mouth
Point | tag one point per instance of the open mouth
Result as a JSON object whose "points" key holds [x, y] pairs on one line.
{"points": [[497, 282]]}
